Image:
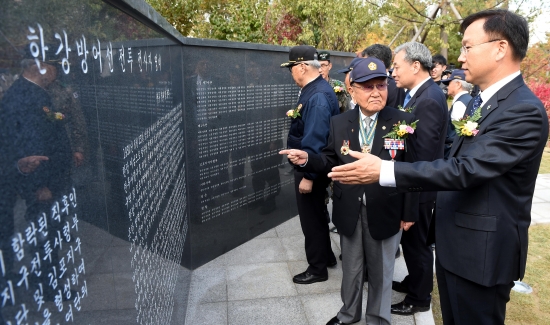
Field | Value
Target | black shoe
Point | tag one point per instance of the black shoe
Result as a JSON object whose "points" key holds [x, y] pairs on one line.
{"points": [[335, 321], [331, 264], [334, 230], [399, 287], [308, 278], [407, 310]]}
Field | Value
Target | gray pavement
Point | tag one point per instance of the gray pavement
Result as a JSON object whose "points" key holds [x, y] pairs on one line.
{"points": [[252, 284]]}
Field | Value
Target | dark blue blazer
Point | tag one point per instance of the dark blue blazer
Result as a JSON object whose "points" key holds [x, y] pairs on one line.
{"points": [[309, 131], [432, 113], [483, 209]]}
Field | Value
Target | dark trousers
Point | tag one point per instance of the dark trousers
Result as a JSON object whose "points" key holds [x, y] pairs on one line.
{"points": [[464, 302], [419, 259], [314, 224]]}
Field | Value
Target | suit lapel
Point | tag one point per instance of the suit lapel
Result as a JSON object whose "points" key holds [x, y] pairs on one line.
{"points": [[353, 131], [502, 94], [488, 108], [420, 90]]}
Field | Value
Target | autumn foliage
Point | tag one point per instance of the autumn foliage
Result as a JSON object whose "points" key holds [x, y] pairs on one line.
{"points": [[542, 91]]}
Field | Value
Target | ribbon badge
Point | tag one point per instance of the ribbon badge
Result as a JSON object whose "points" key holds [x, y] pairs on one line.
{"points": [[393, 145]]}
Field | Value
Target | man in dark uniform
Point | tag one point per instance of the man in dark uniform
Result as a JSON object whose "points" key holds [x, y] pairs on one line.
{"points": [[338, 86], [309, 132]]}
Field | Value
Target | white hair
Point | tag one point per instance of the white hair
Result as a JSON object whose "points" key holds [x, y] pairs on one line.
{"points": [[313, 63], [415, 51], [466, 86]]}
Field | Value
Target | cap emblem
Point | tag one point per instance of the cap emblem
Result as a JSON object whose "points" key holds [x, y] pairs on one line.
{"points": [[372, 66]]}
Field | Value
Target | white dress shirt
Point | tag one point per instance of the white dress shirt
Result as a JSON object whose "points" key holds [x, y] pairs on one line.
{"points": [[387, 175]]}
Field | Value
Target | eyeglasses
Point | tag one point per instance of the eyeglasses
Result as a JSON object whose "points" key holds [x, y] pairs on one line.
{"points": [[369, 88], [324, 65], [465, 49], [292, 66]]}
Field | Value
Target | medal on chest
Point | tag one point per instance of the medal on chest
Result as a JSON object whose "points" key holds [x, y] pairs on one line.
{"points": [[367, 136], [345, 147]]}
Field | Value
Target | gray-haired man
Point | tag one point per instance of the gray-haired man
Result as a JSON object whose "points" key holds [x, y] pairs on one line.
{"points": [[459, 88], [411, 69]]}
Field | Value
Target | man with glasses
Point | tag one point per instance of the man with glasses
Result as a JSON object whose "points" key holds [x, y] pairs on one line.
{"points": [[486, 186], [383, 53], [369, 218], [309, 132], [412, 65], [338, 86]]}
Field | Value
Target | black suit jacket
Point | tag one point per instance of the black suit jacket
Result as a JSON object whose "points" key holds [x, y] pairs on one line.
{"points": [[486, 188], [430, 108], [386, 207], [396, 95]]}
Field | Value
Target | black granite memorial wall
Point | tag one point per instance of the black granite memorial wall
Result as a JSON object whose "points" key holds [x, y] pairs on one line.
{"points": [[130, 156]]}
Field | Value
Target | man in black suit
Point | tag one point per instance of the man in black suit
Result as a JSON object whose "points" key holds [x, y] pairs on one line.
{"points": [[427, 102], [396, 95], [369, 218], [486, 186]]}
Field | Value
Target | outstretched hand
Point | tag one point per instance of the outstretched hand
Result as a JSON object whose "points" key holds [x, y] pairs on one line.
{"points": [[366, 170], [297, 157]]}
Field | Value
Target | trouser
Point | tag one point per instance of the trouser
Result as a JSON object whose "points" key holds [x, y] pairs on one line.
{"points": [[360, 251], [464, 302], [419, 259], [314, 225]]}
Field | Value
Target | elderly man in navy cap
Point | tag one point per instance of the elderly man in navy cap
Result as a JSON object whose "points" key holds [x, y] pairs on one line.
{"points": [[459, 89], [309, 132], [369, 218]]}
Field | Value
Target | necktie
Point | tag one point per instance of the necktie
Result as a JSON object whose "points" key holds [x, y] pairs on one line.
{"points": [[407, 99], [367, 122], [477, 103]]}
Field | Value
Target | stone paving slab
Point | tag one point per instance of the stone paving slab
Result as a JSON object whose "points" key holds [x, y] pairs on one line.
{"points": [[252, 284], [271, 311]]}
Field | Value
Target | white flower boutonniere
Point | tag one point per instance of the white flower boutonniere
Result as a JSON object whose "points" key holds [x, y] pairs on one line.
{"points": [[294, 113], [468, 125]]}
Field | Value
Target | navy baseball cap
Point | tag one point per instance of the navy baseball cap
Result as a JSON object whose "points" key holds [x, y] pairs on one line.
{"points": [[300, 53], [350, 66], [457, 74], [367, 69]]}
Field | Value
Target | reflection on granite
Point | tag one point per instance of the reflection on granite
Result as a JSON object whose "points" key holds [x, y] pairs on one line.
{"points": [[160, 157]]}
